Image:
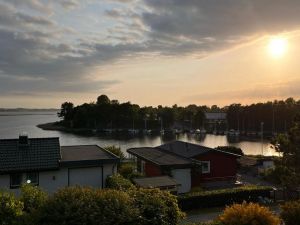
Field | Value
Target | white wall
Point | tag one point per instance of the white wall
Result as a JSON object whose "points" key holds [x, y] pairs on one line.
{"points": [[51, 181], [91, 177], [183, 177]]}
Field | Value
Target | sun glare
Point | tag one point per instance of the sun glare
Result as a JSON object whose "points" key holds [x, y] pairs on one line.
{"points": [[277, 47]]}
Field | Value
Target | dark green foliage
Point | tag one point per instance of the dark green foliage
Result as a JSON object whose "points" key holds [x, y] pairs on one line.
{"points": [[288, 145], [118, 182], [32, 197], [222, 197], [85, 206], [11, 209], [156, 207], [66, 111], [116, 151], [110, 114], [127, 170], [231, 149], [290, 212]]}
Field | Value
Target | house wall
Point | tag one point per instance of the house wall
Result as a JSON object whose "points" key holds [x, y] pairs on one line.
{"points": [[183, 177], [223, 167], [152, 170], [51, 181]]}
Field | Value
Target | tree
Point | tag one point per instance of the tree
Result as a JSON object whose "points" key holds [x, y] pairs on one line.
{"points": [[116, 151], [66, 111], [103, 100], [289, 146]]}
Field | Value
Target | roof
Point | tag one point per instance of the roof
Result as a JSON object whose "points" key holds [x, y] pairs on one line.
{"points": [[38, 154], [156, 182], [87, 155], [189, 150], [159, 157], [215, 116]]}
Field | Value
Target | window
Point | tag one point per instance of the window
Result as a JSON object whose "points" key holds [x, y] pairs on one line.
{"points": [[15, 180], [205, 166], [32, 178]]}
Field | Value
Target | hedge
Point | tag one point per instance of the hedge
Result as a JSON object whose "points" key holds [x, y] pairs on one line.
{"points": [[222, 197]]}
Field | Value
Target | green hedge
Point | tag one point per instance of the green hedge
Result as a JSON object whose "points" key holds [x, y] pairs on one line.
{"points": [[222, 197]]}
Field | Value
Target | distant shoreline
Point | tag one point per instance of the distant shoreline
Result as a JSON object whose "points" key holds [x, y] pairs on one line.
{"points": [[57, 127]]}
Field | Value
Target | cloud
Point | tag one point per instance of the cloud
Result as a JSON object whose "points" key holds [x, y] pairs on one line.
{"points": [[41, 40], [257, 92]]}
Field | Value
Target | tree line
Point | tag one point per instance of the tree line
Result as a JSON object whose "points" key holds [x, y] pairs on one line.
{"points": [[276, 116]]}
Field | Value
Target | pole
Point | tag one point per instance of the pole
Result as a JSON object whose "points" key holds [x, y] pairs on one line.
{"points": [[262, 138]]}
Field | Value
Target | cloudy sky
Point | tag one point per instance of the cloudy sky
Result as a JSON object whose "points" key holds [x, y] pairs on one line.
{"points": [[149, 52]]}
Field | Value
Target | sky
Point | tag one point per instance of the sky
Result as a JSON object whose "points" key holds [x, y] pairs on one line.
{"points": [[149, 52]]}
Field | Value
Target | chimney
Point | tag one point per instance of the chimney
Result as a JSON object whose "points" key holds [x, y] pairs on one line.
{"points": [[23, 139]]}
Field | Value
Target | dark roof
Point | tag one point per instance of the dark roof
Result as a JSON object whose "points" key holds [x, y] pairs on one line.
{"points": [[156, 182], [38, 154], [189, 150], [86, 155], [159, 157]]}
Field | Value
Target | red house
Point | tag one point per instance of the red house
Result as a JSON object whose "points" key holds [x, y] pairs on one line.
{"points": [[190, 164]]}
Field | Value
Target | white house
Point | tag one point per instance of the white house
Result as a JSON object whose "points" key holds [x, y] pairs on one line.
{"points": [[43, 162]]}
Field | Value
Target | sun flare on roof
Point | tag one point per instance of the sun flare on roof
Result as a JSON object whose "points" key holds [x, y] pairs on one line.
{"points": [[277, 46]]}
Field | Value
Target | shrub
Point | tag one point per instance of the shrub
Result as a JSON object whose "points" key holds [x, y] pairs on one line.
{"points": [[231, 149], [116, 151], [32, 197], [11, 209], [290, 212], [118, 182], [248, 214], [77, 206], [156, 207], [127, 170], [194, 200]]}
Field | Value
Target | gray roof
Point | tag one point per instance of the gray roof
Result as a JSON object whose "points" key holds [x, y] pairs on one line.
{"points": [[39, 154], [215, 116], [159, 157], [86, 155], [156, 182], [189, 150]]}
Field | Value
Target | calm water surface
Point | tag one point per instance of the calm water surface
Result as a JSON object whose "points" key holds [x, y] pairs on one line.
{"points": [[14, 123]]}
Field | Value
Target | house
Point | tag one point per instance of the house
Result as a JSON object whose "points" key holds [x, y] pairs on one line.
{"points": [[161, 182], [43, 162], [191, 165]]}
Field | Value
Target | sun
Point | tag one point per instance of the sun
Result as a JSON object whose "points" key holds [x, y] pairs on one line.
{"points": [[278, 46]]}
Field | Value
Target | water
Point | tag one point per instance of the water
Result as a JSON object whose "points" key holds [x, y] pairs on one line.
{"points": [[14, 123]]}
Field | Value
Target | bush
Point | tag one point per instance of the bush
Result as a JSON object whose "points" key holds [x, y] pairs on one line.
{"points": [[156, 207], [11, 209], [231, 149], [248, 214], [32, 197], [116, 151], [290, 212], [127, 170], [77, 206], [222, 197], [118, 182]]}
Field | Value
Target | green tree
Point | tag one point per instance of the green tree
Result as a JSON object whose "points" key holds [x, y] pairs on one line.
{"points": [[66, 111], [116, 151], [289, 146], [103, 100], [11, 209]]}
